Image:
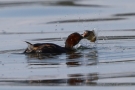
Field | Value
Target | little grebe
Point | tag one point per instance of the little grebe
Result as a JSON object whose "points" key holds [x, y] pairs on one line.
{"points": [[71, 41], [90, 35]]}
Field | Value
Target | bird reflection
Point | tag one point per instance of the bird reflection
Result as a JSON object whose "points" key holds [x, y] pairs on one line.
{"points": [[73, 64], [79, 59], [82, 79], [74, 55], [72, 80], [75, 79], [40, 56], [71, 59]]}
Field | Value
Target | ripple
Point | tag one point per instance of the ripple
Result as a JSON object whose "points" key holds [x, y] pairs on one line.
{"points": [[47, 2], [78, 79], [125, 14], [86, 20], [12, 51]]}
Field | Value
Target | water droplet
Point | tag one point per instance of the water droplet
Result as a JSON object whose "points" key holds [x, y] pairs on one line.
{"points": [[3, 31], [62, 29]]}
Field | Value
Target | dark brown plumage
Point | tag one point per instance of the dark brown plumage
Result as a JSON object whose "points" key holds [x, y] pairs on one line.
{"points": [[72, 40]]}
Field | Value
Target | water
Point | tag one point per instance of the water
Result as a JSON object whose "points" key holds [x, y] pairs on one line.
{"points": [[106, 64]]}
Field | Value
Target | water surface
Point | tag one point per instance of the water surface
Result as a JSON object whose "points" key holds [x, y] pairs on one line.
{"points": [[108, 62]]}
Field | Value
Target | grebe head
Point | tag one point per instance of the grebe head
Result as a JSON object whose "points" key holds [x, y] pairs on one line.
{"points": [[72, 40], [90, 35]]}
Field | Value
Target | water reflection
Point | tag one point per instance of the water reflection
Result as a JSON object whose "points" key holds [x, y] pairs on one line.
{"points": [[77, 79], [72, 3], [40, 56], [70, 80], [73, 63], [51, 59], [74, 55], [71, 59], [47, 2], [82, 79]]}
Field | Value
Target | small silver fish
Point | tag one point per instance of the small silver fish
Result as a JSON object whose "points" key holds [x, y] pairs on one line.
{"points": [[90, 35]]}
